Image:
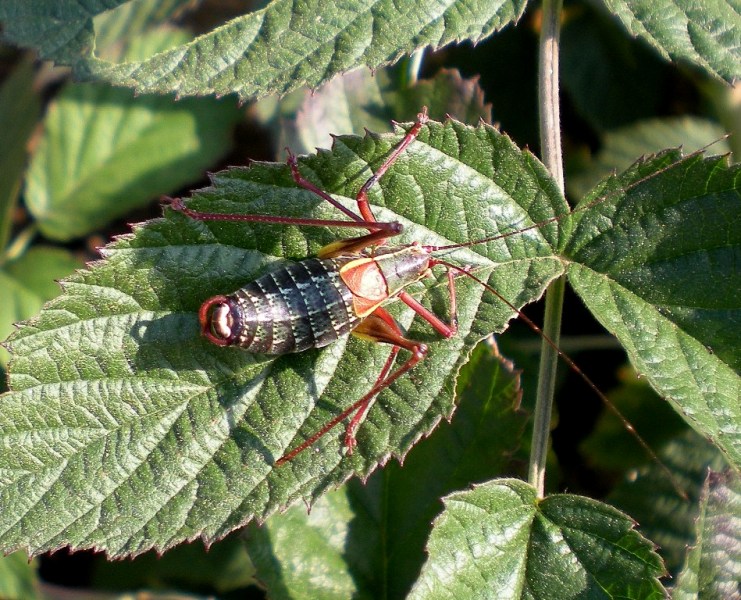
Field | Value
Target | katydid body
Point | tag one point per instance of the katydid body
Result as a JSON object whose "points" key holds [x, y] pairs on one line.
{"points": [[314, 302]]}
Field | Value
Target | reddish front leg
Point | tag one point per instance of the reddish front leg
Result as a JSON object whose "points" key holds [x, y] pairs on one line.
{"points": [[177, 204], [380, 326], [362, 196], [447, 330], [379, 230]]}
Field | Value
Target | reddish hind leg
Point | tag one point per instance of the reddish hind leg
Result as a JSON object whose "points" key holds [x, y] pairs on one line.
{"points": [[379, 326]]}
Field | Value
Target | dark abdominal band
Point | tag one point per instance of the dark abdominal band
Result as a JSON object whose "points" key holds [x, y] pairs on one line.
{"points": [[296, 307]]}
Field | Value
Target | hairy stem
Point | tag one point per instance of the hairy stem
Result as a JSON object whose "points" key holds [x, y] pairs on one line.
{"points": [[550, 143]]}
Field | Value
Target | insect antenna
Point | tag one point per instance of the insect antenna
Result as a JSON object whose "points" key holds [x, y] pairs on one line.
{"points": [[581, 208], [575, 368], [622, 189]]}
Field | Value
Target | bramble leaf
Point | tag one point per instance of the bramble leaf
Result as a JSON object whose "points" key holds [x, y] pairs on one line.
{"points": [[499, 540], [273, 50], [707, 34], [655, 263], [370, 537], [168, 437], [621, 146]]}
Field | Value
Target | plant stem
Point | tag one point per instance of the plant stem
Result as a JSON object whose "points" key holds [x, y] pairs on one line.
{"points": [[550, 143], [413, 67], [19, 245], [550, 109]]}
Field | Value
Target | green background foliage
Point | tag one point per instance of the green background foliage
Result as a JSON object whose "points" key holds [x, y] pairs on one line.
{"points": [[124, 431]]}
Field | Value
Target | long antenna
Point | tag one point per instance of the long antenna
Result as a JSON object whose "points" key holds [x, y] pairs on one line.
{"points": [[574, 367], [586, 206]]}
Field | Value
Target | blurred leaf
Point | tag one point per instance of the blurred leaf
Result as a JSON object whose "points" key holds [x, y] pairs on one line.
{"points": [[18, 580], [105, 151], [706, 34], [666, 286], [223, 567], [611, 80], [351, 102], [319, 566], [277, 49], [19, 112], [29, 281], [650, 498], [369, 539], [620, 147], [117, 361], [498, 540], [713, 567], [721, 101], [445, 94], [359, 100], [610, 446], [506, 68]]}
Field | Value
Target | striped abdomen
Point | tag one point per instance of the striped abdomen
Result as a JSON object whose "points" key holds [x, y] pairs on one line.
{"points": [[299, 306]]}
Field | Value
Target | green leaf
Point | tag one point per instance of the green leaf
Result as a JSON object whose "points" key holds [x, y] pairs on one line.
{"points": [[127, 24], [706, 34], [105, 151], [61, 30], [610, 445], [322, 565], [29, 281], [498, 540], [360, 100], [168, 437], [714, 563], [18, 580], [649, 496], [223, 567], [273, 50], [655, 264], [351, 102], [610, 80], [369, 538]]}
